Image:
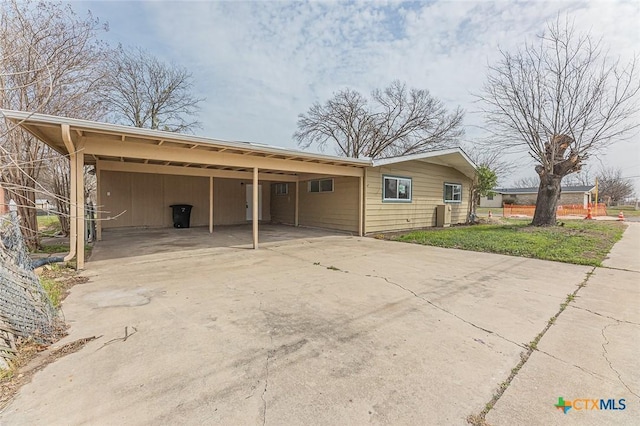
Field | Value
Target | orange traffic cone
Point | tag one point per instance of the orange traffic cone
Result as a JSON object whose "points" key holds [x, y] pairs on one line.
{"points": [[620, 216], [589, 213], [490, 215]]}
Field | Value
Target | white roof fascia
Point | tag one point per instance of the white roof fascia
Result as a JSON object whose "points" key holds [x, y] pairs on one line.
{"points": [[422, 156]]}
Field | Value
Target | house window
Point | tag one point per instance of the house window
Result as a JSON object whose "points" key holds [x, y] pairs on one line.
{"points": [[282, 188], [396, 188], [490, 197], [452, 193], [321, 185]]}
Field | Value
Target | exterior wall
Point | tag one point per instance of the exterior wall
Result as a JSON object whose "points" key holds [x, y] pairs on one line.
{"points": [[144, 199], [334, 210], [230, 201], [283, 207], [566, 198], [427, 192], [522, 199], [578, 198], [496, 202]]}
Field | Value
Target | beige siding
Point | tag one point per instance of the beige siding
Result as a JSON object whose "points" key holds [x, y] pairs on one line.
{"points": [[185, 190], [230, 201], [283, 206], [427, 192], [115, 196], [147, 204], [143, 199], [333, 210]]}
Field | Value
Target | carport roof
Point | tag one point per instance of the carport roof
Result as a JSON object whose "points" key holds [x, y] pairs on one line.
{"points": [[48, 129], [126, 144]]}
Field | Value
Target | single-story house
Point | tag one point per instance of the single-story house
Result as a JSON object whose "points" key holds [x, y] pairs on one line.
{"points": [[141, 173], [569, 195]]}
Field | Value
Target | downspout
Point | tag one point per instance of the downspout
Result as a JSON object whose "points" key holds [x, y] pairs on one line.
{"points": [[66, 137]]}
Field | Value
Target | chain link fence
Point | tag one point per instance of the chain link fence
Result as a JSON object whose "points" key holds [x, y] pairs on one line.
{"points": [[25, 309]]}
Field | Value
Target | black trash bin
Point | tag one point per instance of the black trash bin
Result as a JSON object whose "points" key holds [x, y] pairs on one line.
{"points": [[181, 215]]}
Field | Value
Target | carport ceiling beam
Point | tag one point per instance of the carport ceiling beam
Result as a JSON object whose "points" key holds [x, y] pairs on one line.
{"points": [[114, 166], [95, 146]]}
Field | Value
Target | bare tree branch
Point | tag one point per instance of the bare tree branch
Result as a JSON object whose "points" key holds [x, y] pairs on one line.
{"points": [[50, 63], [144, 92], [393, 122]]}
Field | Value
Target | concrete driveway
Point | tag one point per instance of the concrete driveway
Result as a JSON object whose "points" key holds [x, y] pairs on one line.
{"points": [[314, 329]]}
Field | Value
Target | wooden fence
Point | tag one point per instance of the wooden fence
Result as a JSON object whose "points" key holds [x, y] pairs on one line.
{"points": [[566, 210]]}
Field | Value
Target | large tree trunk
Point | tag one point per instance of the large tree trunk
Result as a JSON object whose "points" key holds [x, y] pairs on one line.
{"points": [[547, 203]]}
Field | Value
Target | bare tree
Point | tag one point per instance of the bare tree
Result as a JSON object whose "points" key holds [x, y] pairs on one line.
{"points": [[144, 92], [612, 187], [394, 121], [490, 158], [583, 177], [527, 182], [50, 63], [561, 100]]}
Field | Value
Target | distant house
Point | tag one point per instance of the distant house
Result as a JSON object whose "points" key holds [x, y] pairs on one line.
{"points": [[43, 206], [581, 195]]}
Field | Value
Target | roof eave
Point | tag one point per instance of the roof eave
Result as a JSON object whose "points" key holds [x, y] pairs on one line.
{"points": [[25, 118]]}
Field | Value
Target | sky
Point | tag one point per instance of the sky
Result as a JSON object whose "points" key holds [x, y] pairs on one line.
{"points": [[260, 64]]}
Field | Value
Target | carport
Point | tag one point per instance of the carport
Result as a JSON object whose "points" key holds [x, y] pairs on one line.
{"points": [[116, 150]]}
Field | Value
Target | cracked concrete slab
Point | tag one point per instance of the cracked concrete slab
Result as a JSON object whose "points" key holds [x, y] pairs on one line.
{"points": [[590, 352], [626, 253], [316, 329]]}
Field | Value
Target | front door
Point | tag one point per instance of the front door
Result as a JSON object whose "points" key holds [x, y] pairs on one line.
{"points": [[250, 202]]}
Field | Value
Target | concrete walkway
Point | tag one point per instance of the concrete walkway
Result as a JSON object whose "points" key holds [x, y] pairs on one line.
{"points": [[591, 352], [626, 253]]}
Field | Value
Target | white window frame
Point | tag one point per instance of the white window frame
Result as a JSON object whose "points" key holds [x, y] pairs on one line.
{"points": [[279, 188], [320, 190], [386, 199], [455, 186]]}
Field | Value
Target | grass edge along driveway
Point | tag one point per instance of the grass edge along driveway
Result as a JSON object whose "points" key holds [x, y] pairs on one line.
{"points": [[577, 241]]}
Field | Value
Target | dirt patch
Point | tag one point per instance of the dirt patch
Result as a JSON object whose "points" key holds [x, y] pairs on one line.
{"points": [[66, 277]]}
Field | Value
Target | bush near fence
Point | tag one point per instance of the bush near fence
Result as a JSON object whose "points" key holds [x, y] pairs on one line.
{"points": [[565, 210]]}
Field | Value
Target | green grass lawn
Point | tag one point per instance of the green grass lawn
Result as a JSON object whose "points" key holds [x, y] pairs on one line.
{"points": [[579, 242], [46, 221], [48, 226], [628, 211]]}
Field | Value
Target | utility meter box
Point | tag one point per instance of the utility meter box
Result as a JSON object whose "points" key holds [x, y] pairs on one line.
{"points": [[443, 215]]}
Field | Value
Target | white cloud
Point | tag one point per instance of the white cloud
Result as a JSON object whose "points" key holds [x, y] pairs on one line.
{"points": [[260, 64]]}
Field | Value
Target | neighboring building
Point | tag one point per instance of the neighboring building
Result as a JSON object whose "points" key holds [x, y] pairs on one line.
{"points": [[569, 195], [43, 206], [141, 173]]}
